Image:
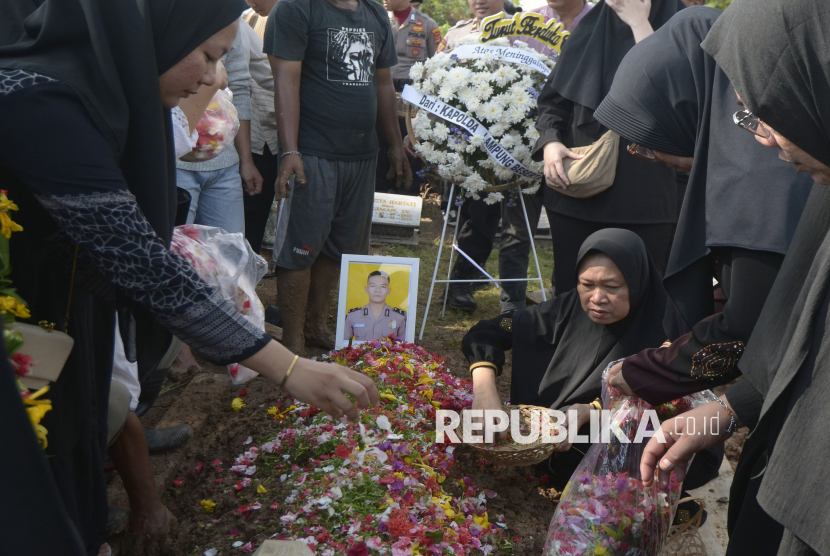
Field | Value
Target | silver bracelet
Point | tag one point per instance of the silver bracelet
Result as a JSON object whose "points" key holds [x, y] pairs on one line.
{"points": [[733, 424], [298, 153]]}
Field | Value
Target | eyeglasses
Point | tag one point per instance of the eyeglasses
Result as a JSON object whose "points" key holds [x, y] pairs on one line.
{"points": [[748, 121], [642, 152]]}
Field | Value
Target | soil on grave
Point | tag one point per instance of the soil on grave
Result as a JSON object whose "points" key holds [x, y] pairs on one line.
{"points": [[526, 503]]}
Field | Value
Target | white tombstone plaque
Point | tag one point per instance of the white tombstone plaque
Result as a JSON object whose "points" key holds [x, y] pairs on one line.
{"points": [[397, 210]]}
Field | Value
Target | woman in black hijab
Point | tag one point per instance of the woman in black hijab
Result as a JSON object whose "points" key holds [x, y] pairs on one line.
{"points": [[86, 88], [739, 215], [561, 347], [776, 55], [643, 196]]}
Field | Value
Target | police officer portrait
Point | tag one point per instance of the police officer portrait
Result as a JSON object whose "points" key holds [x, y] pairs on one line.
{"points": [[375, 300]]}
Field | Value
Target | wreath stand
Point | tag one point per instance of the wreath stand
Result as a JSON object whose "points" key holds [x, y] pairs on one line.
{"points": [[463, 254], [407, 113]]}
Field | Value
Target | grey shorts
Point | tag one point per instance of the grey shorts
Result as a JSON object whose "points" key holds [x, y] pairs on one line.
{"points": [[331, 213]]}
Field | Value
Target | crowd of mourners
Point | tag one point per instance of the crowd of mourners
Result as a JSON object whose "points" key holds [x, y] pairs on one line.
{"points": [[706, 262]]}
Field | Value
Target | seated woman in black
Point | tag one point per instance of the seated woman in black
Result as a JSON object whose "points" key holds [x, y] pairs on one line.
{"points": [[561, 347]]}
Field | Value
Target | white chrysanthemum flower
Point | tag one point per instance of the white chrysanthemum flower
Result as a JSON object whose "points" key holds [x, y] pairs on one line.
{"points": [[477, 141], [521, 151], [457, 145], [480, 64], [416, 72], [474, 182], [446, 92], [484, 92], [532, 189], [479, 80], [490, 111], [508, 142], [473, 104], [532, 133], [499, 129], [421, 125], [470, 149], [437, 77], [503, 173], [504, 75], [440, 132], [515, 114], [428, 87], [459, 77], [466, 95], [493, 198]]}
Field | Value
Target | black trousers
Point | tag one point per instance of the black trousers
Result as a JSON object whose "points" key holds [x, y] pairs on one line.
{"points": [[258, 207], [479, 223], [568, 234]]}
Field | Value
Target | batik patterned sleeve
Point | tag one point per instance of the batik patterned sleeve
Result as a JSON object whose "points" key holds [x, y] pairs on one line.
{"points": [[125, 249]]}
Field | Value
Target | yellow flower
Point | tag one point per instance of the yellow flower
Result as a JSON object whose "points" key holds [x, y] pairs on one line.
{"points": [[40, 432], [8, 304], [36, 409], [273, 410], [5, 204], [237, 404], [7, 225], [261, 489], [428, 394], [425, 379], [600, 550], [485, 524], [208, 505]]}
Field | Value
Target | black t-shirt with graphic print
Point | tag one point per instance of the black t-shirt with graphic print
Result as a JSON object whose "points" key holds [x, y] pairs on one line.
{"points": [[341, 51]]}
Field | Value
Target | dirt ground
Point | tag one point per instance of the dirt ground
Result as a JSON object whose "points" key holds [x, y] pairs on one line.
{"points": [[524, 500]]}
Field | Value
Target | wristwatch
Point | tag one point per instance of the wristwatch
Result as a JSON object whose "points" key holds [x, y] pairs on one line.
{"points": [[733, 424]]}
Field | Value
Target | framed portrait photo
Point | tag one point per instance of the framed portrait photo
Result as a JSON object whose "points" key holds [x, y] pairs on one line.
{"points": [[378, 298]]}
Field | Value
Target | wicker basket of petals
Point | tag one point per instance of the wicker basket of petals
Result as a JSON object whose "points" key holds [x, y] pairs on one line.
{"points": [[509, 453], [684, 538]]}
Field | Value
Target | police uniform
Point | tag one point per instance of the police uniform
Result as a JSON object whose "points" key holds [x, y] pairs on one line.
{"points": [[416, 39], [462, 29], [361, 324]]}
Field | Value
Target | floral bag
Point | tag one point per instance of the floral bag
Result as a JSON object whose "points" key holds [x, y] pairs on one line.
{"points": [[605, 510]]}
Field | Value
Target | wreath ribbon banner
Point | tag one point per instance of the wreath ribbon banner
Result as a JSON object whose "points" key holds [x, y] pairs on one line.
{"points": [[503, 54], [473, 126]]}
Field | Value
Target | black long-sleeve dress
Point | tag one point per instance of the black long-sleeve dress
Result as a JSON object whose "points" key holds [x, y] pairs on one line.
{"points": [[643, 197]]}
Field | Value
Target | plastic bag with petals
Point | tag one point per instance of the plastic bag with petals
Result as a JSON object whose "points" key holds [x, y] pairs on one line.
{"points": [[605, 508], [217, 128], [228, 264]]}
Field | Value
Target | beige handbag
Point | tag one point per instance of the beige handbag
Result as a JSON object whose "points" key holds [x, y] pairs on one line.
{"points": [[595, 172], [50, 348]]}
